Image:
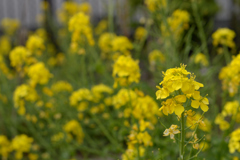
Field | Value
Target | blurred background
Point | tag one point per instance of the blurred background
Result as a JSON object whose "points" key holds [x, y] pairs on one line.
{"points": [[26, 11]]}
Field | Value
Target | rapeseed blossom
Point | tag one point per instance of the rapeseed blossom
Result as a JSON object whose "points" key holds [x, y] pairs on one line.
{"points": [[177, 23], [10, 26], [21, 144], [101, 27], [138, 140], [140, 33], [79, 25], [35, 44], [105, 44], [230, 76], [5, 45], [38, 73], [176, 80], [18, 56], [200, 58], [73, 128], [171, 131], [5, 147], [80, 95], [125, 71], [70, 8], [122, 44], [61, 86], [234, 142], [224, 36], [230, 109], [154, 5], [21, 94]]}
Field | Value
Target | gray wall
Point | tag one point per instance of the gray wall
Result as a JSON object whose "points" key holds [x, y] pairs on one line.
{"points": [[27, 10]]}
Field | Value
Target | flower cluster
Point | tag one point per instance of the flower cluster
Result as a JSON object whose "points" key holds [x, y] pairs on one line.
{"points": [[81, 30], [155, 57], [18, 57], [38, 73], [101, 27], [179, 87], [69, 8], [21, 94], [201, 58], [35, 44], [154, 5], [177, 23], [10, 26], [61, 86], [231, 109], [105, 44], [5, 45], [137, 140], [234, 142], [140, 33], [171, 131], [230, 76], [125, 71], [21, 144], [121, 44], [224, 36], [73, 128]]}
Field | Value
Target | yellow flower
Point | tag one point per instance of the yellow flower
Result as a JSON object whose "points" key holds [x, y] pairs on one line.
{"points": [[18, 56], [234, 142], [224, 36], [223, 124], [101, 27], [35, 44], [22, 93], [194, 143], [140, 33], [79, 25], [80, 95], [105, 44], [5, 147], [230, 76], [199, 101], [202, 59], [21, 144], [177, 23], [176, 79], [123, 97], [99, 90], [121, 44], [32, 156], [38, 73], [154, 5], [10, 25], [5, 45], [74, 128], [171, 131], [61, 86], [125, 71]]}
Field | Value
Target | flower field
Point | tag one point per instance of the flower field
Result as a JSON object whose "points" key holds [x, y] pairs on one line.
{"points": [[164, 86]]}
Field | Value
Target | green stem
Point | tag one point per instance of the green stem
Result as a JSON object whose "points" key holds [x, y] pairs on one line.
{"points": [[110, 16], [199, 23], [105, 131], [182, 137]]}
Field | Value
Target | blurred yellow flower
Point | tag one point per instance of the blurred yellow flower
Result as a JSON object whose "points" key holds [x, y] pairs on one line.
{"points": [[125, 71]]}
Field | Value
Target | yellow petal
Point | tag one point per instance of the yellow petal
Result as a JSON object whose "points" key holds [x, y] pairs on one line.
{"points": [[181, 98], [196, 95], [205, 101], [195, 103], [179, 109], [204, 107]]}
